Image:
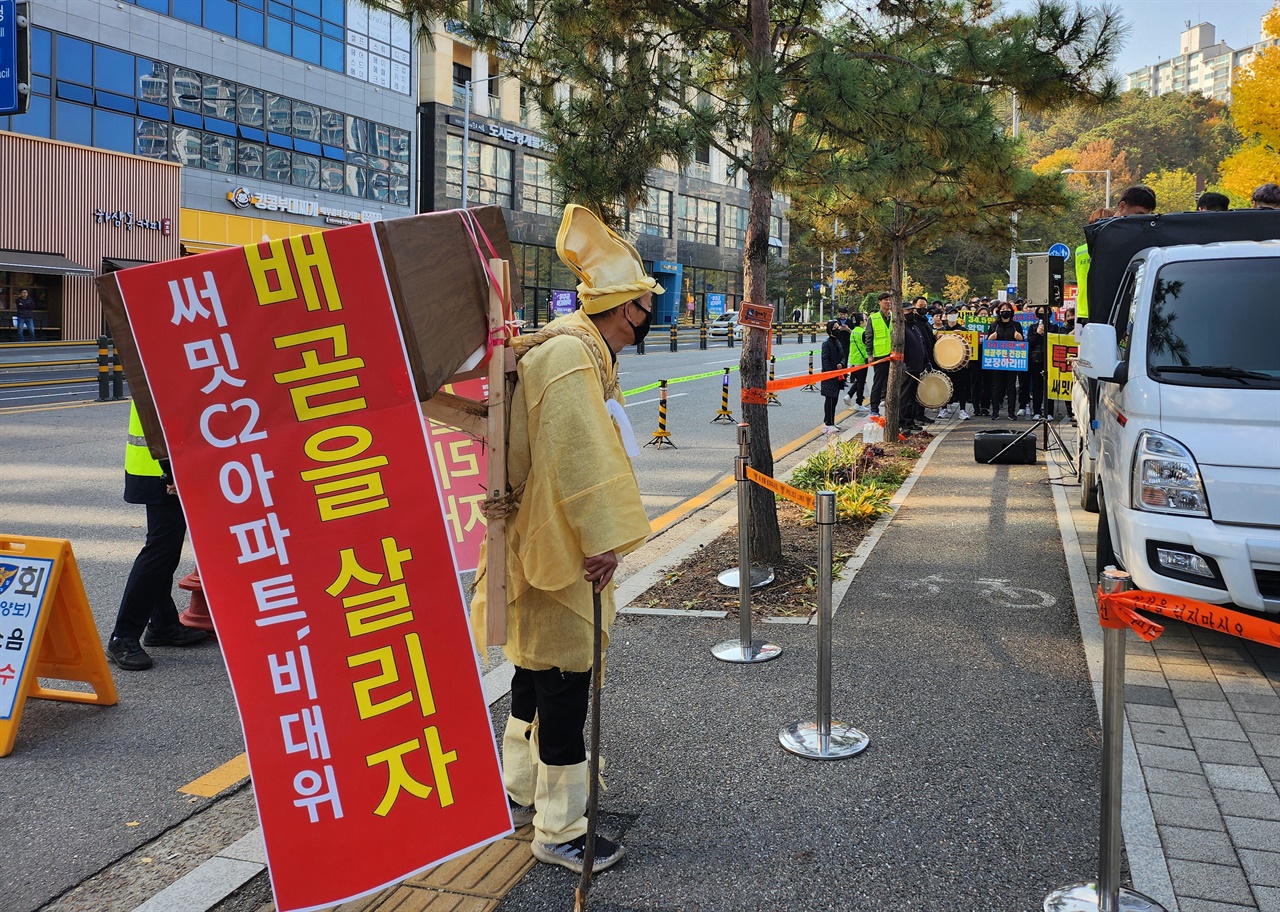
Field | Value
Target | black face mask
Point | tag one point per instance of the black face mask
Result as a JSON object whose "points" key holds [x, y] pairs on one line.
{"points": [[1005, 315], [639, 332]]}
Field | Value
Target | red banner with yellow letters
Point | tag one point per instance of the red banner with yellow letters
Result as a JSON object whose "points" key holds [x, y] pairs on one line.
{"points": [[306, 473]]}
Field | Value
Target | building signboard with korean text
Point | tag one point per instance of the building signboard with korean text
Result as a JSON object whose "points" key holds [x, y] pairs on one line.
{"points": [[306, 474]]}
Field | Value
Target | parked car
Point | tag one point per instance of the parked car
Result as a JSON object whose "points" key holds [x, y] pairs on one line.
{"points": [[1178, 405], [721, 325]]}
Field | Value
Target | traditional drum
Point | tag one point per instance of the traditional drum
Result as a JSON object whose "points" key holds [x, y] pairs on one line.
{"points": [[951, 351], [934, 389]]}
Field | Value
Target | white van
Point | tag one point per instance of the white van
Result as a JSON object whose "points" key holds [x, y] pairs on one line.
{"points": [[1183, 439]]}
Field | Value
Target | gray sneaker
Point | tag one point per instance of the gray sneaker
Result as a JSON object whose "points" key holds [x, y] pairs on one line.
{"points": [[571, 854], [521, 814]]}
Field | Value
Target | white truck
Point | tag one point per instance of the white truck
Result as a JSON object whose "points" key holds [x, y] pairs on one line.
{"points": [[1177, 403]]}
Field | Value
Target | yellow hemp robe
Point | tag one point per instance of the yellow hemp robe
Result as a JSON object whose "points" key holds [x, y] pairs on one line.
{"points": [[580, 499]]}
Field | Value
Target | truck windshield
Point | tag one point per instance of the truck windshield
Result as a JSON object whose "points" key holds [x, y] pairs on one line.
{"points": [[1209, 322]]}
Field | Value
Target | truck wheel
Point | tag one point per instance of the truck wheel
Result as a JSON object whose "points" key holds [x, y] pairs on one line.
{"points": [[1105, 553], [1088, 480]]}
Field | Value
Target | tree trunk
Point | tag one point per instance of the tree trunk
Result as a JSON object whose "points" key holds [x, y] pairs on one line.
{"points": [[892, 403], [766, 540]]}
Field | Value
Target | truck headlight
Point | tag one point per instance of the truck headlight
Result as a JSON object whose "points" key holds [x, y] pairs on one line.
{"points": [[1166, 478]]}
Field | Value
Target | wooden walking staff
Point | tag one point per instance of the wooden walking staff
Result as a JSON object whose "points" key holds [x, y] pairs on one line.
{"points": [[495, 536]]}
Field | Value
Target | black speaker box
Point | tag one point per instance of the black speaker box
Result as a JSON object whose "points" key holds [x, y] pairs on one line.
{"points": [[987, 447]]}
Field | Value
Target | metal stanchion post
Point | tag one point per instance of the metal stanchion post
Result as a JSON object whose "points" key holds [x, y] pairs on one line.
{"points": [[117, 373], [1106, 894], [662, 437], [744, 649], [104, 370], [773, 399], [724, 414], [824, 739], [674, 344]]}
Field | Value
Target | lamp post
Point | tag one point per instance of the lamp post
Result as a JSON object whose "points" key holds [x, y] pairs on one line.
{"points": [[466, 129], [1107, 172]]}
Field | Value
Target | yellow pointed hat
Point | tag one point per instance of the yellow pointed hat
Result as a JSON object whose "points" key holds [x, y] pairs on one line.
{"points": [[610, 268]]}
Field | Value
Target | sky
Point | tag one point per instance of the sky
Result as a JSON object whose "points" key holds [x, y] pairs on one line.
{"points": [[1155, 25]]}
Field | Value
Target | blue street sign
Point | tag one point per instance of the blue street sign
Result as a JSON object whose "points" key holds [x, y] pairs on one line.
{"points": [[8, 56], [817, 286], [846, 250], [1011, 289], [839, 281], [1060, 250]]}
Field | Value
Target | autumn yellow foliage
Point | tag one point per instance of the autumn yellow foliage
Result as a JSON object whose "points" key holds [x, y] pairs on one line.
{"points": [[1255, 108]]}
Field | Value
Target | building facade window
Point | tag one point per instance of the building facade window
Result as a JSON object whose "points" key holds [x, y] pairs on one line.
{"points": [[653, 215], [735, 226], [536, 193], [488, 173], [699, 220], [108, 99]]}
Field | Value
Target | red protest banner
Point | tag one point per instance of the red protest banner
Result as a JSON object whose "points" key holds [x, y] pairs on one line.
{"points": [[461, 463], [300, 454]]}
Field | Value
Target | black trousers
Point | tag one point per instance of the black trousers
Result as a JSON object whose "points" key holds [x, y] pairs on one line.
{"points": [[1004, 390], [909, 410], [829, 409], [559, 699], [959, 387], [859, 386], [879, 382], [148, 593], [979, 386]]}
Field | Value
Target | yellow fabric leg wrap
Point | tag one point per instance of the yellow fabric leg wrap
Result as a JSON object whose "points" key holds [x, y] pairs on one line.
{"points": [[561, 802], [520, 760]]}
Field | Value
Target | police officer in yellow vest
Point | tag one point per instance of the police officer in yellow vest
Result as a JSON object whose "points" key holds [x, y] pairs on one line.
{"points": [[147, 613], [878, 343]]}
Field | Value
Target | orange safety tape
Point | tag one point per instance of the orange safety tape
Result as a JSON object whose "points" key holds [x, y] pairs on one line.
{"points": [[795, 495], [755, 396], [1191, 611], [775, 386], [1115, 613]]}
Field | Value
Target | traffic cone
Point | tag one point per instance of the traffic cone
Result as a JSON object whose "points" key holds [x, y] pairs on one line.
{"points": [[197, 613]]}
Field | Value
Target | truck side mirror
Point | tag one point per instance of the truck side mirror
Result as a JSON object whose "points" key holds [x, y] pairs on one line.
{"points": [[1097, 357]]}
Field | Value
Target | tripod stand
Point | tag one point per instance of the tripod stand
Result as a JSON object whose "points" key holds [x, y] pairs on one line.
{"points": [[1044, 423]]}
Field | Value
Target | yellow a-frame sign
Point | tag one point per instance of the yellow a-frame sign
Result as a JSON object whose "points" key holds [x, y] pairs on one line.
{"points": [[46, 631]]}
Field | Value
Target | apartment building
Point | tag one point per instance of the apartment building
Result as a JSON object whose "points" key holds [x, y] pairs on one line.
{"points": [[1203, 64], [691, 230], [162, 127]]}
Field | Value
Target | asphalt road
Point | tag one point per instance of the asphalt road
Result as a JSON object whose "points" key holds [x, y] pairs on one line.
{"points": [[86, 785]]}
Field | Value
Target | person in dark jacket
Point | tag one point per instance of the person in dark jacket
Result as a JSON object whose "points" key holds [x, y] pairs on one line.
{"points": [[914, 361], [1037, 351], [1004, 385], [832, 359]]}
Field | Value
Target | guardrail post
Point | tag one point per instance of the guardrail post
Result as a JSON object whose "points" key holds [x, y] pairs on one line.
{"points": [[117, 373], [724, 414], [104, 370], [744, 650], [1106, 895], [800, 333], [773, 363], [824, 739], [813, 333], [674, 344], [702, 337], [777, 332], [662, 437], [729, 336], [809, 386]]}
